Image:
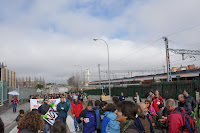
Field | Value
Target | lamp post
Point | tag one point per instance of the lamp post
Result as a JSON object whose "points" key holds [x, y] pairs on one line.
{"points": [[81, 72], [108, 64]]}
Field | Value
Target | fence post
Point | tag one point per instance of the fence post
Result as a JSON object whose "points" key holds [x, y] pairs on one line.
{"points": [[194, 90], [176, 90]]}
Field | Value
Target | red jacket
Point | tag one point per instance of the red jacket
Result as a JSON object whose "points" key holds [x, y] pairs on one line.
{"points": [[14, 101], [157, 101], [76, 108], [175, 122]]}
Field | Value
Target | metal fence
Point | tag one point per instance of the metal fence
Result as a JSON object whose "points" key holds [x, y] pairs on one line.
{"points": [[166, 89]]}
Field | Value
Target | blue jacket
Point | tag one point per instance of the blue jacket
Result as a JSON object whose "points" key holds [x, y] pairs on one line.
{"points": [[91, 125], [96, 109], [121, 98], [139, 125], [109, 123], [63, 113]]}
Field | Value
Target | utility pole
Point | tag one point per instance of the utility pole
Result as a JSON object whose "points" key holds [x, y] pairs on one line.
{"points": [[169, 79], [100, 77]]}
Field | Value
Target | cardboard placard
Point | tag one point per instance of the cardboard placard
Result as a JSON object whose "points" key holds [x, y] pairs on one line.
{"points": [[105, 98], [50, 117], [36, 103]]}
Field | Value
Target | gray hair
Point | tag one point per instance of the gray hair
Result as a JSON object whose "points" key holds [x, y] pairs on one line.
{"points": [[171, 102], [181, 95]]}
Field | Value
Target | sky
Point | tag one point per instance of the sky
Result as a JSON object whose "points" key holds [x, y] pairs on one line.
{"points": [[47, 37]]}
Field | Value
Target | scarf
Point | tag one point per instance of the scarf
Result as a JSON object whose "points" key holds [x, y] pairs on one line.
{"points": [[124, 125]]}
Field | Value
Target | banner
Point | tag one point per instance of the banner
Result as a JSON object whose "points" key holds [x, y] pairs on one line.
{"points": [[36, 103], [50, 117], [105, 98]]}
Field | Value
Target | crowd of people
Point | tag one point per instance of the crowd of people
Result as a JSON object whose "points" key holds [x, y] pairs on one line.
{"points": [[121, 116]]}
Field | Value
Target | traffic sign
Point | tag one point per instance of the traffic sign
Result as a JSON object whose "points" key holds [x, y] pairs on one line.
{"points": [[102, 86]]}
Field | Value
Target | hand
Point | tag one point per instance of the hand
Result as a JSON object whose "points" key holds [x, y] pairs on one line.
{"points": [[164, 117], [81, 119], [153, 124], [62, 108], [73, 115], [162, 121]]}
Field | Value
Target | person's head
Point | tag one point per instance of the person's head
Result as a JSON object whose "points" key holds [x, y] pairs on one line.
{"points": [[151, 93], [58, 127], [90, 106], [32, 121], [142, 109], [14, 97], [21, 112], [157, 93], [122, 94], [126, 110], [170, 104], [97, 103], [62, 99], [88, 96], [136, 93], [181, 97], [186, 93], [103, 105], [75, 97], [46, 100], [110, 107], [115, 100], [35, 110], [147, 102], [1, 126], [161, 107]]}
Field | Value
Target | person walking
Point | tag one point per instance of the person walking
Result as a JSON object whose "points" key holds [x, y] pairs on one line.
{"points": [[157, 100], [137, 98], [151, 95], [14, 103], [76, 109], [62, 109], [122, 97], [183, 103], [190, 100]]}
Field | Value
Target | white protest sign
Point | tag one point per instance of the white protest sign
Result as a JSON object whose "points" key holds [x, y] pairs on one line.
{"points": [[50, 117], [36, 103]]}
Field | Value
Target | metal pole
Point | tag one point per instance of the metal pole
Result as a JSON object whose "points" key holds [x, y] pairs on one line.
{"points": [[2, 84], [100, 78]]}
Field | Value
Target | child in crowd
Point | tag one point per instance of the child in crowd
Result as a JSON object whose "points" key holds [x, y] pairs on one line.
{"points": [[97, 109], [88, 117], [21, 114], [109, 123], [102, 110]]}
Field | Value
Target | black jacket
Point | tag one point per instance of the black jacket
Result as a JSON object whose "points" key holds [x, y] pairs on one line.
{"points": [[192, 101], [187, 106], [43, 109]]}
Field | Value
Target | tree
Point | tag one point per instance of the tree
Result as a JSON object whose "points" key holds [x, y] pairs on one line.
{"points": [[39, 86], [74, 82]]}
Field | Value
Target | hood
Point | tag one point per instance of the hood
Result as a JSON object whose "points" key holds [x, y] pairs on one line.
{"points": [[110, 115]]}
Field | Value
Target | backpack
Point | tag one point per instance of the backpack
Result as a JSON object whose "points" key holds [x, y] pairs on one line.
{"points": [[189, 123]]}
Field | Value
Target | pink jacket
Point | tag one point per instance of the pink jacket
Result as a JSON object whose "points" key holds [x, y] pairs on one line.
{"points": [[152, 111]]}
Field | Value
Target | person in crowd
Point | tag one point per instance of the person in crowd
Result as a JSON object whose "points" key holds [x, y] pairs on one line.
{"points": [[122, 97], [87, 99], [103, 94], [137, 98], [21, 114], [190, 100], [69, 99], [43, 109], [81, 97], [156, 100], [102, 110], [97, 109], [88, 117], [183, 103], [174, 120], [143, 122], [115, 100], [160, 116], [126, 114], [1, 126], [197, 114], [62, 109], [109, 123], [14, 103], [58, 127], [151, 112], [151, 95], [32, 122], [76, 109]]}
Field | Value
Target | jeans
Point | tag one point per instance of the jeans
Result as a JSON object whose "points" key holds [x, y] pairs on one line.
{"points": [[14, 108], [75, 124], [47, 127], [63, 120]]}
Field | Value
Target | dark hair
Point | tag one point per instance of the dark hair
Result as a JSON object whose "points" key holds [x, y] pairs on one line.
{"points": [[35, 110], [128, 109], [148, 101], [58, 127], [115, 100], [110, 107], [103, 103], [21, 111], [90, 103], [97, 103], [1, 126], [160, 106]]}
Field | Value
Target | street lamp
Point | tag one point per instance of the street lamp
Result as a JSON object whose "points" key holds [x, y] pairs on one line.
{"points": [[108, 63], [81, 72]]}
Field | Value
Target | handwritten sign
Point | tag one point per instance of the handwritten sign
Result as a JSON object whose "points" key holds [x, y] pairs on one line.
{"points": [[50, 117], [36, 103]]}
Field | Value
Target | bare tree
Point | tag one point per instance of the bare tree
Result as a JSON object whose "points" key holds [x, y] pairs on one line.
{"points": [[74, 81]]}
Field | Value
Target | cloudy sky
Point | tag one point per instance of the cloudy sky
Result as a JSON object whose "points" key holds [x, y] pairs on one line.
{"points": [[47, 37]]}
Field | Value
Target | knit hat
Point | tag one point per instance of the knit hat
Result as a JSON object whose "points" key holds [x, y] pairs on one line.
{"points": [[75, 97]]}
